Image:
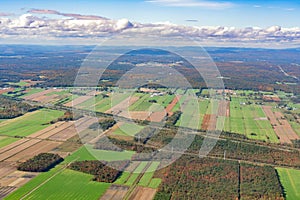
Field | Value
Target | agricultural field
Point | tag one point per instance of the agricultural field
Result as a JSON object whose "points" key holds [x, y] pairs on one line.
{"points": [[31, 91], [147, 177], [49, 185], [127, 129], [4, 140], [89, 153], [110, 101], [290, 180], [250, 120], [29, 123]]}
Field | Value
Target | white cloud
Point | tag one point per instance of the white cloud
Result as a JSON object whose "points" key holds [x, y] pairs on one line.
{"points": [[30, 27], [193, 3]]}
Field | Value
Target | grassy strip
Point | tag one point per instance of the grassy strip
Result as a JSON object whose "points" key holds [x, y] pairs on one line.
{"points": [[290, 179]]}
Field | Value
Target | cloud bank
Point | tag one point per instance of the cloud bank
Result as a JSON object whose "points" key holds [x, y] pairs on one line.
{"points": [[72, 27]]}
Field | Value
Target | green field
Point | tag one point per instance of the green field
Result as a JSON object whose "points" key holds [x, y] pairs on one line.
{"points": [[88, 153], [88, 104], [191, 117], [122, 179], [7, 140], [290, 179], [249, 120], [16, 92], [178, 105], [20, 83], [108, 102], [154, 183], [2, 120], [146, 178], [130, 181], [76, 185], [143, 103], [61, 183], [29, 123], [128, 129], [32, 91]]}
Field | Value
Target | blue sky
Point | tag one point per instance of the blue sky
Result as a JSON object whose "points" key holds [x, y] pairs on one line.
{"points": [[268, 23], [239, 14]]}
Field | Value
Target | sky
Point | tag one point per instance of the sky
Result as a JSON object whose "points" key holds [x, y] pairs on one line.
{"points": [[233, 22]]}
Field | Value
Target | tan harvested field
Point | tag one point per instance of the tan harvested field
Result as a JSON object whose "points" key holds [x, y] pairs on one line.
{"points": [[209, 122], [40, 147], [81, 99], [78, 100], [44, 132], [6, 168], [9, 153], [40, 95], [280, 125], [172, 104], [224, 108], [13, 145], [65, 134], [17, 178], [143, 193], [115, 192], [83, 123], [28, 147], [62, 131], [140, 115], [122, 108], [157, 116], [47, 99]]}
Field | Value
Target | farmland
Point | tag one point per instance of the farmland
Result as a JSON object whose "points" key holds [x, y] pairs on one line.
{"points": [[49, 184], [246, 120], [127, 129], [290, 179], [29, 123]]}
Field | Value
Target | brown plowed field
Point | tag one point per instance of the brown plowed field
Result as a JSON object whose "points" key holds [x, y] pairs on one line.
{"points": [[115, 192], [41, 147], [172, 104], [7, 154], [280, 125], [143, 193], [209, 122], [4, 191]]}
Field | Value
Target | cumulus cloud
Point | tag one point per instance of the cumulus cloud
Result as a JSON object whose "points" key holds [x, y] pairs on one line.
{"points": [[3, 14], [30, 26]]}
